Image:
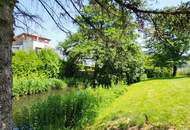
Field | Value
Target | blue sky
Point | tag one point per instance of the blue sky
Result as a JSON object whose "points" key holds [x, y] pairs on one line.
{"points": [[51, 31]]}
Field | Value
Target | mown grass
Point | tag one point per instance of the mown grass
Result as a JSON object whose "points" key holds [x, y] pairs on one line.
{"points": [[162, 102]]}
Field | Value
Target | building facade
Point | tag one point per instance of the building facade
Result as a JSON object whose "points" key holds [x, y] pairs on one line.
{"points": [[28, 42]]}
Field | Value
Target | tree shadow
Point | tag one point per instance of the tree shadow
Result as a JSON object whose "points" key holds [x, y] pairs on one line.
{"points": [[166, 78]]}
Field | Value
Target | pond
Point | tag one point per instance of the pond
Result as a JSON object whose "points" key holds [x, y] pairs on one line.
{"points": [[27, 101]]}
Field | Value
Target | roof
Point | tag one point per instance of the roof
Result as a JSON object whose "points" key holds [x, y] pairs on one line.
{"points": [[32, 35]]}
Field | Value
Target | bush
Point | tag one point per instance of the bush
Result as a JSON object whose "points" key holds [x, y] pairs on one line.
{"points": [[44, 64], [69, 69], [157, 72], [113, 68], [27, 87], [51, 63], [143, 77], [73, 111], [25, 64]]}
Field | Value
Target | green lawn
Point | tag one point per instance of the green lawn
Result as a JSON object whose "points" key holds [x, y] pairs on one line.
{"points": [[166, 102]]}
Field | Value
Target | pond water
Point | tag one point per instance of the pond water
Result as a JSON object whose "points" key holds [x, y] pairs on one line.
{"points": [[27, 101]]}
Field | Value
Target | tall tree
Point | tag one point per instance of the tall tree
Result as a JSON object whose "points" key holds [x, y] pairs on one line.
{"points": [[115, 53], [169, 41], [6, 39]]}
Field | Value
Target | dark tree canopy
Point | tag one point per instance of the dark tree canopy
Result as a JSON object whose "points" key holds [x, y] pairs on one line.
{"points": [[66, 10], [169, 40]]}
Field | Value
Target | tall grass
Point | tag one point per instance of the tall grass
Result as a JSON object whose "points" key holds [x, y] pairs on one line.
{"points": [[32, 86], [73, 111]]}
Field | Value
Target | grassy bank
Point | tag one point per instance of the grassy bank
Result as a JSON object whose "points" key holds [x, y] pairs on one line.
{"points": [[23, 87], [160, 104], [75, 110], [150, 103]]}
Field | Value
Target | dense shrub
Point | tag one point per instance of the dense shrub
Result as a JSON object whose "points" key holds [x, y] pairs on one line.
{"points": [[33, 86], [112, 71], [69, 69], [25, 64], [143, 77], [73, 111], [50, 63], [157, 72], [44, 64]]}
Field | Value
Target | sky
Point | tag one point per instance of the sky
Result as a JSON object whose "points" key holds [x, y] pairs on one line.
{"points": [[50, 30]]}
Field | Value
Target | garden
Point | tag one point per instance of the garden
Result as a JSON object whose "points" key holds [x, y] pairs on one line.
{"points": [[105, 79]]}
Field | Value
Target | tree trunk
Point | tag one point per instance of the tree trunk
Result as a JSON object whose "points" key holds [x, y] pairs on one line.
{"points": [[94, 83], [174, 70], [6, 38]]}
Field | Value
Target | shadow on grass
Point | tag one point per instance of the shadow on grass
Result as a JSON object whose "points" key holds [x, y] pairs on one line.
{"points": [[167, 78]]}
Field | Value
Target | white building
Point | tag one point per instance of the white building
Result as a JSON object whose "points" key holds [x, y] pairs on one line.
{"points": [[28, 42]]}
